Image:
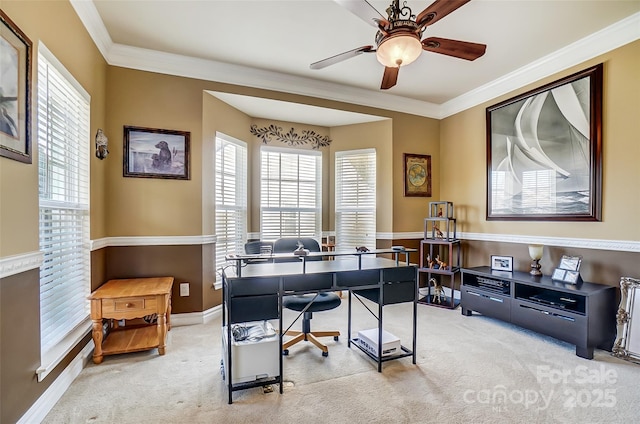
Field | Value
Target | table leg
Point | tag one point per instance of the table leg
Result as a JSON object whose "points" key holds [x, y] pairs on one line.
{"points": [[96, 333], [169, 314], [162, 333]]}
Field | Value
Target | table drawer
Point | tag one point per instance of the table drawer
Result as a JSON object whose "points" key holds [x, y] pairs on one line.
{"points": [[130, 305]]}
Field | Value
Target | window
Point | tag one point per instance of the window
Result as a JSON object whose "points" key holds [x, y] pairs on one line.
{"points": [[231, 196], [355, 199], [290, 193], [63, 169]]}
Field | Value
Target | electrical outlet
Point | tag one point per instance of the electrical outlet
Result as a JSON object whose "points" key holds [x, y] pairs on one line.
{"points": [[184, 289]]}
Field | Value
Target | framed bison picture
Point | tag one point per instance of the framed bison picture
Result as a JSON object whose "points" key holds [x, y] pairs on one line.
{"points": [[156, 153]]}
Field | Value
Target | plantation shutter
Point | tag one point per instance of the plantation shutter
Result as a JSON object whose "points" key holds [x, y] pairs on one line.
{"points": [[355, 199], [63, 170], [290, 193], [231, 197]]}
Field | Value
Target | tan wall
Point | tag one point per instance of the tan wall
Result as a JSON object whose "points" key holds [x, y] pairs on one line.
{"points": [[412, 134], [149, 206], [376, 135], [56, 24], [463, 157], [217, 116]]}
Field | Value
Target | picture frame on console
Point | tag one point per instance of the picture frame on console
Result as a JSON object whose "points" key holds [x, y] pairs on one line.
{"points": [[544, 152], [156, 153], [15, 91], [502, 263]]}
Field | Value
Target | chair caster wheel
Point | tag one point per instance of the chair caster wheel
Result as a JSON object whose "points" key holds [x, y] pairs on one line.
{"points": [[285, 352], [335, 338], [325, 354]]}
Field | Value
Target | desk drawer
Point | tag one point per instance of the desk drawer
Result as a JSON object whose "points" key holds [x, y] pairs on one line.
{"points": [[146, 304]]}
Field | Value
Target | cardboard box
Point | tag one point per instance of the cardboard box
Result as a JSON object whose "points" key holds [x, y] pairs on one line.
{"points": [[368, 340]]}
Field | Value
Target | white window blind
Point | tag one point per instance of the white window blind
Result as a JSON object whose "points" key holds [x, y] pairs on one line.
{"points": [[290, 193], [63, 169], [355, 199], [231, 197]]}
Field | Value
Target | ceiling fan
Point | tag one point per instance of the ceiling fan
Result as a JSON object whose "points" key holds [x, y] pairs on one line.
{"points": [[398, 39]]}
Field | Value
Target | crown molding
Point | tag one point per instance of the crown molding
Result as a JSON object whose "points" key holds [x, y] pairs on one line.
{"points": [[15, 264], [88, 14], [596, 44], [152, 241], [607, 39], [190, 67]]}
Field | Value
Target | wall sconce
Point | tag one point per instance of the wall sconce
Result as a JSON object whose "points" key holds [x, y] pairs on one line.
{"points": [[535, 252], [101, 145]]}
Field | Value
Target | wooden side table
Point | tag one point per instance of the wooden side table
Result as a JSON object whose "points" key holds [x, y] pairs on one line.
{"points": [[129, 299]]}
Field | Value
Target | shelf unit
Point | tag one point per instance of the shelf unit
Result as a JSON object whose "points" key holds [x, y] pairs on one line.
{"points": [[449, 250], [439, 256]]}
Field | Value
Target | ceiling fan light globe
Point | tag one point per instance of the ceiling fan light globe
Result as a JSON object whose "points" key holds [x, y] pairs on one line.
{"points": [[399, 50]]}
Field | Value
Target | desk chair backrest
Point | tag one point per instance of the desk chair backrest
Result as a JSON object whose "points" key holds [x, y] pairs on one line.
{"points": [[289, 244], [255, 247]]}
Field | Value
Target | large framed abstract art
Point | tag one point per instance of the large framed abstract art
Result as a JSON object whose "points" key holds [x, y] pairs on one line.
{"points": [[544, 152]]}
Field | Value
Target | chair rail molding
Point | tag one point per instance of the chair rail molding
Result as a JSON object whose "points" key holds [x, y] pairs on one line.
{"points": [[16, 264], [597, 244], [152, 241]]}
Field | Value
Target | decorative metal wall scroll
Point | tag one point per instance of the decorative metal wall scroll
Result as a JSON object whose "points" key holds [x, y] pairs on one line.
{"points": [[267, 134]]}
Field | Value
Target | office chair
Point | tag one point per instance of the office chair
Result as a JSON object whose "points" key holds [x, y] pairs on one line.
{"points": [[322, 302], [256, 248]]}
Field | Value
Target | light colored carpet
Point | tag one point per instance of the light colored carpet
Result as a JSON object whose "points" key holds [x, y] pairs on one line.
{"points": [[469, 370]]}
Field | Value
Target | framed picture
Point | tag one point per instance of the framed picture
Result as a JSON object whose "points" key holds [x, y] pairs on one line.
{"points": [[155, 153], [417, 175], [570, 263], [544, 152], [502, 263], [15, 92]]}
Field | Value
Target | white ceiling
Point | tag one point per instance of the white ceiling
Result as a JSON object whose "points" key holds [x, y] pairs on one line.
{"points": [[270, 44]]}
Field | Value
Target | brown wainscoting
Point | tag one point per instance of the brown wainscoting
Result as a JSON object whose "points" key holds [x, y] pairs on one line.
{"points": [[598, 266], [20, 357], [185, 263]]}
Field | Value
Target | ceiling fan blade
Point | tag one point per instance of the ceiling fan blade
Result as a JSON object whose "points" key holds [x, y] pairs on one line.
{"points": [[390, 77], [455, 48], [340, 57], [438, 10], [363, 10]]}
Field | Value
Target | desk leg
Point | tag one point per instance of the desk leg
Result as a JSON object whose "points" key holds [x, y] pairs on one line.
{"points": [[162, 333], [97, 340]]}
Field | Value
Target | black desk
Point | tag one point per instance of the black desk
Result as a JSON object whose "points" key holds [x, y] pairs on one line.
{"points": [[254, 291]]}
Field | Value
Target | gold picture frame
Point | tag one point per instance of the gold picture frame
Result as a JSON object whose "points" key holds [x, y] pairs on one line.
{"points": [[417, 175]]}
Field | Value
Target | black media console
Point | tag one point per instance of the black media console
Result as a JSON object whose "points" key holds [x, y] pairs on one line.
{"points": [[583, 314]]}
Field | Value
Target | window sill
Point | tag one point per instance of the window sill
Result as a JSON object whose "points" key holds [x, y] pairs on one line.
{"points": [[51, 359]]}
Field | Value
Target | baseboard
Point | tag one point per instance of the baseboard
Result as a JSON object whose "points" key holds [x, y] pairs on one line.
{"points": [[193, 318], [50, 397]]}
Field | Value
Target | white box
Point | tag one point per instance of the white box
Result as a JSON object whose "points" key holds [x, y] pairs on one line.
{"points": [[368, 339], [252, 360]]}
